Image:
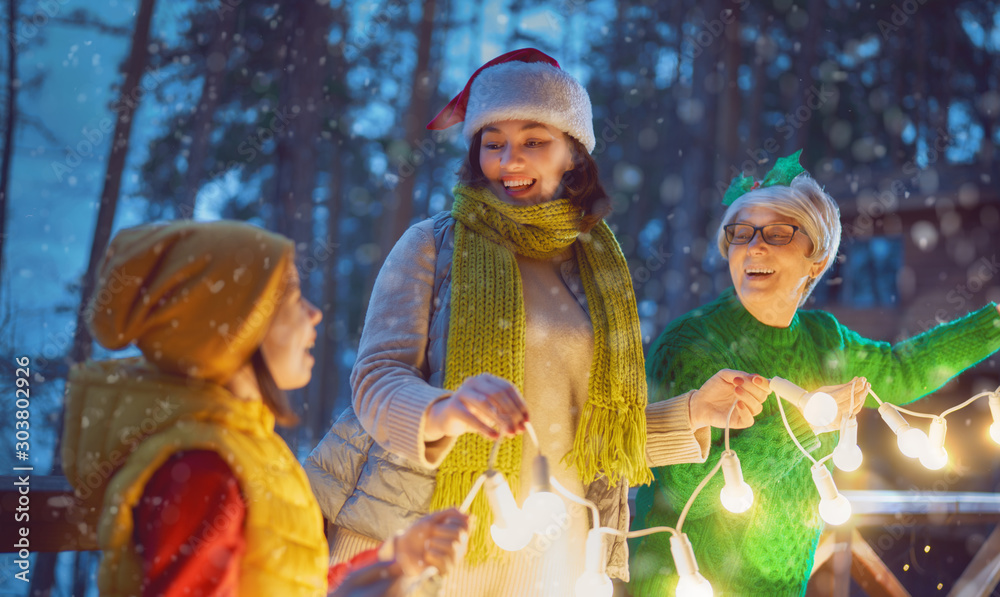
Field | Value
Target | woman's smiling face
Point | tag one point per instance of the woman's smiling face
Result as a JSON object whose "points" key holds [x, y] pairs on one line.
{"points": [[524, 161], [769, 279]]}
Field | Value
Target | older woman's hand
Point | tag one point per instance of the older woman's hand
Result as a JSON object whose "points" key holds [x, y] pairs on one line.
{"points": [[438, 540], [848, 403], [711, 403], [482, 404]]}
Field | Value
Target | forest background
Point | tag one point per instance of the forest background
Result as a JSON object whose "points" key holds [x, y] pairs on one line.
{"points": [[308, 118]]}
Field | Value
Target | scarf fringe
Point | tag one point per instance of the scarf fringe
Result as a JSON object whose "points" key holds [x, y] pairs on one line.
{"points": [[611, 442]]}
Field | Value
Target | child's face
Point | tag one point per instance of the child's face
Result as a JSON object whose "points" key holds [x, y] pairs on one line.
{"points": [[290, 338]]}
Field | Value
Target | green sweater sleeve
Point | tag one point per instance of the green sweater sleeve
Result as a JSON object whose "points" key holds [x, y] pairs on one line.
{"points": [[767, 454], [909, 370]]}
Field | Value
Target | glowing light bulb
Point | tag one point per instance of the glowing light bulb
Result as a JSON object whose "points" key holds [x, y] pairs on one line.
{"points": [[995, 410], [848, 459], [911, 441], [834, 508], [818, 408], [935, 456], [835, 511], [694, 586], [591, 584], [509, 529], [934, 460], [511, 538], [691, 583], [594, 582], [543, 507], [847, 455], [736, 495]]}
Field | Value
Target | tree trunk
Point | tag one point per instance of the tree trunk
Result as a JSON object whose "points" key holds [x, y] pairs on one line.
{"points": [[806, 61], [920, 86], [81, 573], [41, 585], [416, 137], [729, 114], [690, 215], [755, 139], [298, 121], [211, 91], [331, 335], [398, 213], [129, 103], [897, 85], [301, 106], [952, 29], [8, 136], [329, 381], [678, 15]]}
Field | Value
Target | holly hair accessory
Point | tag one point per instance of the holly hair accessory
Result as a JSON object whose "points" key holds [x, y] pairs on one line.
{"points": [[784, 171]]}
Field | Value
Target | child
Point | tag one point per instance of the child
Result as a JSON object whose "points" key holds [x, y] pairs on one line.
{"points": [[198, 493]]}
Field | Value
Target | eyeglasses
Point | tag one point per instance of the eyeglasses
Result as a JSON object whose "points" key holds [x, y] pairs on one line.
{"points": [[773, 234]]}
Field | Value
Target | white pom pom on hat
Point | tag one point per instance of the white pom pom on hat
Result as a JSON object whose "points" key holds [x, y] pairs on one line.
{"points": [[524, 84]]}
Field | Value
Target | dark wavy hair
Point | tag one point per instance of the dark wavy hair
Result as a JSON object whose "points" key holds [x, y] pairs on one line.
{"points": [[581, 185]]}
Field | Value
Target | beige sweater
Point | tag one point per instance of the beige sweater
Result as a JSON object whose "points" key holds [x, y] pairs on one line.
{"points": [[392, 399]]}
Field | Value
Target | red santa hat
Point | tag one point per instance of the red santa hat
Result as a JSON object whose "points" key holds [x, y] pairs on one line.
{"points": [[524, 84]]}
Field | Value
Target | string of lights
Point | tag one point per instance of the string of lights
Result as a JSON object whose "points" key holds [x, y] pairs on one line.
{"points": [[514, 527]]}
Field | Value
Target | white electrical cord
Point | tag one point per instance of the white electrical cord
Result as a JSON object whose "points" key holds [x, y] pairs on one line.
{"points": [[942, 415], [788, 428], [968, 402]]}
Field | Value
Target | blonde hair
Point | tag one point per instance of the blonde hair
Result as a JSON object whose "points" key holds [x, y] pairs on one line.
{"points": [[808, 205]]}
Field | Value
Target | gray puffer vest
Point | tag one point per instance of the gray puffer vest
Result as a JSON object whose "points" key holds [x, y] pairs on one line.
{"points": [[371, 491]]}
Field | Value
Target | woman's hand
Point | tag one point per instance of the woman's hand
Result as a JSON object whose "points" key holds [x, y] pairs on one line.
{"points": [[842, 394], [438, 540], [483, 404], [710, 404]]}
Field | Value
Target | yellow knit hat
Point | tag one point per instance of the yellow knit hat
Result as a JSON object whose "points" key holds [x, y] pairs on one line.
{"points": [[197, 298]]}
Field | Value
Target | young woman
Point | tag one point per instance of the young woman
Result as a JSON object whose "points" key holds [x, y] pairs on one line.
{"points": [[198, 495], [779, 239], [517, 303]]}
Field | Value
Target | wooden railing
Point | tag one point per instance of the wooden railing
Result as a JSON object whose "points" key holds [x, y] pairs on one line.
{"points": [[46, 507], [57, 522], [852, 557]]}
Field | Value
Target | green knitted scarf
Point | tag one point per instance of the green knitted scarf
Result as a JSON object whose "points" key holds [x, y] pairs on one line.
{"points": [[486, 334]]}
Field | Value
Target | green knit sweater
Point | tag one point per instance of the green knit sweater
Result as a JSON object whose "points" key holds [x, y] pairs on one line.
{"points": [[769, 549]]}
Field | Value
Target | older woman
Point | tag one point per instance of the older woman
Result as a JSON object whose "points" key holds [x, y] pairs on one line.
{"points": [[779, 237], [516, 301]]}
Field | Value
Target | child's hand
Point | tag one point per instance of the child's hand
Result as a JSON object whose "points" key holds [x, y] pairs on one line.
{"points": [[382, 579], [438, 540]]}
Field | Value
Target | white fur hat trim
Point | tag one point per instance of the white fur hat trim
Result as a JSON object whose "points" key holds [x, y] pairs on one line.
{"points": [[530, 91]]}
